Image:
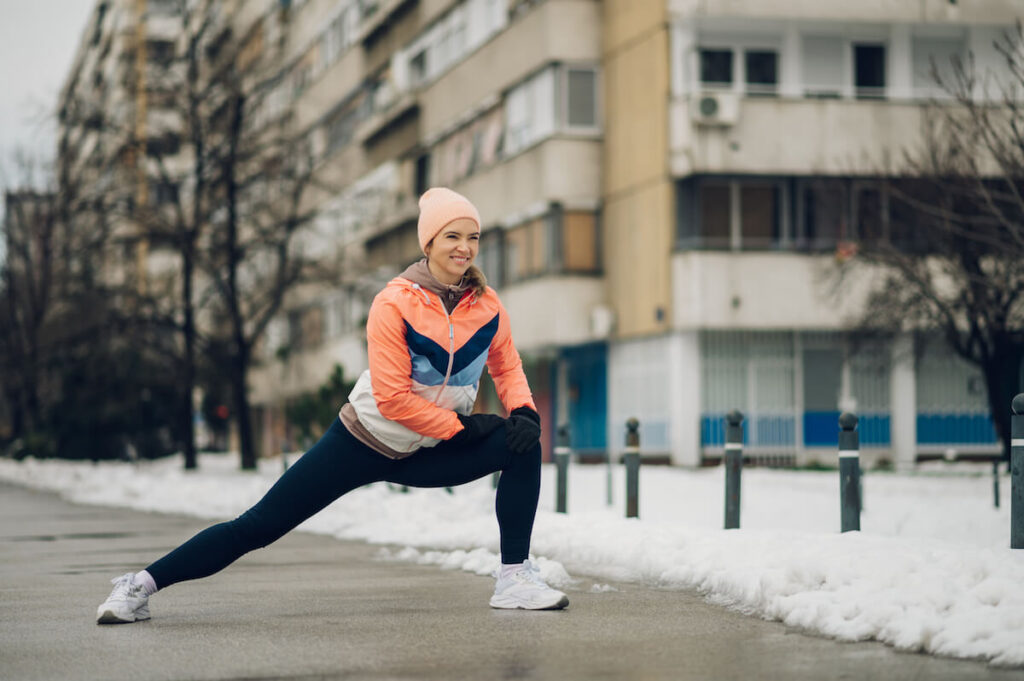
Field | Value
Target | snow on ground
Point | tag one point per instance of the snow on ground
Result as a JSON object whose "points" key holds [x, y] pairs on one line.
{"points": [[931, 571]]}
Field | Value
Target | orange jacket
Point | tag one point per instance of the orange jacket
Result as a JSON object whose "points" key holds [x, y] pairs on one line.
{"points": [[425, 364]]}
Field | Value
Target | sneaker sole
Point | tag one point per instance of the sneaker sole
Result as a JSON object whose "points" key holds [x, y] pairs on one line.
{"points": [[513, 604], [110, 617]]}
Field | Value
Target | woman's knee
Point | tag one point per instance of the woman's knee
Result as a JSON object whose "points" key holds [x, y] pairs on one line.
{"points": [[255, 529]]}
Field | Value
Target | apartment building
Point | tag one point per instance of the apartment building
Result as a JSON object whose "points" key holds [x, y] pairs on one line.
{"points": [[733, 169], [116, 94], [496, 99]]}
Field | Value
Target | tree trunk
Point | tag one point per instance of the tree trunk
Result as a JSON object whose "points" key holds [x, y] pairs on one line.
{"points": [[243, 413], [189, 360]]}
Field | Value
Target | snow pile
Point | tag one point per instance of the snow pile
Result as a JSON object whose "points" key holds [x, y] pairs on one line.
{"points": [[931, 571]]}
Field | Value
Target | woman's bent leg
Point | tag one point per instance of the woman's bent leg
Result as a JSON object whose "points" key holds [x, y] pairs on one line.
{"points": [[335, 465], [518, 487]]}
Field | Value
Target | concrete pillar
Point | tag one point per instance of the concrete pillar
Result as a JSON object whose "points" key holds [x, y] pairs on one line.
{"points": [[900, 60], [791, 61], [684, 397], [903, 403]]}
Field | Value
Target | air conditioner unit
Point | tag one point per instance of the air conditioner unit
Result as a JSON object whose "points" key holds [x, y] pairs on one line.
{"points": [[715, 108]]}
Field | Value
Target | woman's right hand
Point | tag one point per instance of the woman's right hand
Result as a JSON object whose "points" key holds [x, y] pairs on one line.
{"points": [[475, 427]]}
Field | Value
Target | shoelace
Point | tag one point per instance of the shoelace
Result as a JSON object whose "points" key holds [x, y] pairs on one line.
{"points": [[124, 587]]}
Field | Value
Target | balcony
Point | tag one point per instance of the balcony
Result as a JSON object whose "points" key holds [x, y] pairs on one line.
{"points": [[768, 135], [718, 290]]}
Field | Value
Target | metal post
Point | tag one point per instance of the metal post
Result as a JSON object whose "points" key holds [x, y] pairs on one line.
{"points": [[1017, 473], [607, 476], [995, 482], [562, 453], [849, 472], [284, 456], [631, 457], [733, 467]]}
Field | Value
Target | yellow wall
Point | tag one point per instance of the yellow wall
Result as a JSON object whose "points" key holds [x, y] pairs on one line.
{"points": [[638, 197]]}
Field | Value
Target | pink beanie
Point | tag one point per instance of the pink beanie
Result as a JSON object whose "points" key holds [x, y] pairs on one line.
{"points": [[440, 206]]}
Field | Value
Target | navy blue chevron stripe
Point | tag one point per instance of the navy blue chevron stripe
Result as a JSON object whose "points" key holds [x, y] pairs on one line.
{"points": [[437, 356], [475, 346], [425, 347]]}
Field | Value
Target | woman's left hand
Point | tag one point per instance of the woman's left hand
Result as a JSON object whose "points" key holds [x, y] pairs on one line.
{"points": [[522, 432]]}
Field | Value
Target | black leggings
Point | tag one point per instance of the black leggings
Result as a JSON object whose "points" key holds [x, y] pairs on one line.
{"points": [[339, 463]]}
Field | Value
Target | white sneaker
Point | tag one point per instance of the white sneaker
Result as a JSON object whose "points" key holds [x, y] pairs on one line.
{"points": [[128, 602], [525, 590]]}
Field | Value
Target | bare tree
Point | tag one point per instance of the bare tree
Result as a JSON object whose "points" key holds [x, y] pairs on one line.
{"points": [[950, 247]]}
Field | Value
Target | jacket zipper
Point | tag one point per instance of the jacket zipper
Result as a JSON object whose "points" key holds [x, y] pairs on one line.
{"points": [[451, 351]]}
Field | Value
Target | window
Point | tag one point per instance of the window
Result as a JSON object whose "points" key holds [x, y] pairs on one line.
{"points": [[869, 71], [526, 249], [491, 256], [716, 67], [759, 215], [824, 212], [581, 98], [822, 68], [579, 242], [936, 56], [720, 213], [530, 112], [762, 71], [870, 214], [422, 174], [165, 145], [164, 193], [160, 52], [418, 68]]}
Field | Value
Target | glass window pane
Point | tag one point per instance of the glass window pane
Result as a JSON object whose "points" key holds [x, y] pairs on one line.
{"points": [[759, 215], [825, 209], [582, 98], [762, 71], [869, 71], [940, 52], [822, 66], [579, 242], [716, 66], [714, 214]]}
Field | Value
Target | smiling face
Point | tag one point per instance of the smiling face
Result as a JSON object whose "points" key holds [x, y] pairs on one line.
{"points": [[453, 250]]}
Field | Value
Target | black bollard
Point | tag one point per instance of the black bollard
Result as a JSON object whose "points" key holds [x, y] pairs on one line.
{"points": [[995, 482], [849, 473], [562, 453], [1017, 473], [631, 457], [733, 467]]}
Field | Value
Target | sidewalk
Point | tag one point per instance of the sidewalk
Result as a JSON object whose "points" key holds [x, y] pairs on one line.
{"points": [[311, 607]]}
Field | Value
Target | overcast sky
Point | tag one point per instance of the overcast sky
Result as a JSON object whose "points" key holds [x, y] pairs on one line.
{"points": [[38, 39]]}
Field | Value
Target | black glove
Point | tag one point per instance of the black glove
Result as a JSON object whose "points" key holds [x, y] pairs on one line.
{"points": [[522, 432], [475, 427]]}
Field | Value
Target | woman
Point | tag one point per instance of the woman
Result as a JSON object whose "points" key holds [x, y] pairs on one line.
{"points": [[408, 421]]}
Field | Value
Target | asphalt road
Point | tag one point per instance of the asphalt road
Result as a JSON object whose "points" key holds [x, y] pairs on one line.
{"points": [[310, 607]]}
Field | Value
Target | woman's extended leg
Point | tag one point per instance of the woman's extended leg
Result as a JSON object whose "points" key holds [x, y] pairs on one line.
{"points": [[336, 464]]}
